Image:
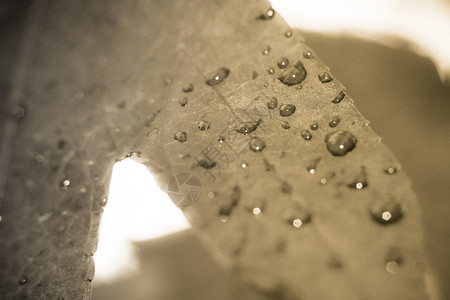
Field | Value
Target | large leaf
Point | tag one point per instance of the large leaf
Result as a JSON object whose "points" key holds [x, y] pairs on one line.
{"points": [[299, 217]]}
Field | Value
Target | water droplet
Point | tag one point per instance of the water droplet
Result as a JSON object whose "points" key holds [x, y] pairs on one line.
{"points": [[257, 145], [339, 143], [288, 34], [267, 15], [391, 171], [339, 97], [23, 280], [386, 212], [334, 121], [206, 163], [203, 125], [65, 184], [248, 127], [188, 88], [313, 166], [271, 71], [293, 75], [308, 54], [283, 63], [285, 125], [254, 75], [392, 267], [220, 76], [183, 101], [167, 81], [272, 103], [266, 84], [297, 217], [361, 180], [286, 110], [221, 139], [266, 50], [18, 112], [306, 135], [211, 195], [314, 125], [256, 211], [103, 201], [325, 77], [393, 261], [180, 136], [244, 165]]}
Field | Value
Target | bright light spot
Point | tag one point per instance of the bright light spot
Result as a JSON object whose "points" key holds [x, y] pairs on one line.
{"points": [[256, 211], [392, 267], [341, 146], [312, 171], [386, 216], [359, 185], [137, 210], [425, 24], [297, 223]]}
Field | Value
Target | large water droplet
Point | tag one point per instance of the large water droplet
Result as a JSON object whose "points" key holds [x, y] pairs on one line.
{"points": [[283, 63], [183, 101], [387, 212], [308, 54], [314, 125], [293, 75], [272, 103], [267, 15], [325, 77], [334, 121], [188, 88], [104, 201], [286, 110], [339, 143], [360, 181], [220, 76], [180, 136], [248, 127], [297, 217], [339, 97], [306, 135], [257, 145], [221, 139], [203, 125]]}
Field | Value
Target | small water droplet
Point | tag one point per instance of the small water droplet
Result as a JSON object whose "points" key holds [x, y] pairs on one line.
{"points": [[203, 125], [244, 165], [180, 136], [313, 166], [386, 212], [254, 75], [339, 143], [286, 110], [257, 145], [308, 54], [221, 139], [314, 125], [211, 195], [18, 112], [168, 81], [334, 121], [271, 71], [360, 181], [391, 171], [267, 15], [183, 101], [288, 34], [393, 261], [256, 211], [283, 63], [206, 163], [323, 181], [266, 84], [23, 280], [293, 75], [223, 219], [339, 97], [306, 135], [325, 77], [65, 184], [272, 103], [188, 88], [285, 125], [266, 51], [248, 127], [103, 201], [297, 217], [220, 76]]}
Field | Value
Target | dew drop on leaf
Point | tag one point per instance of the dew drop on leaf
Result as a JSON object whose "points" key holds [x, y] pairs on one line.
{"points": [[221, 139], [103, 201], [267, 15], [257, 145], [334, 121], [180, 136], [271, 71], [339, 97], [220, 76], [283, 63], [288, 34], [272, 103], [293, 75], [339, 143], [308, 54], [325, 77], [65, 184], [314, 125], [286, 110], [306, 135], [23, 280], [203, 125], [387, 212]]}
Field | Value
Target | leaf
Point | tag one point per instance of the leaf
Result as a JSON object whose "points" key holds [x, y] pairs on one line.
{"points": [[105, 83]]}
